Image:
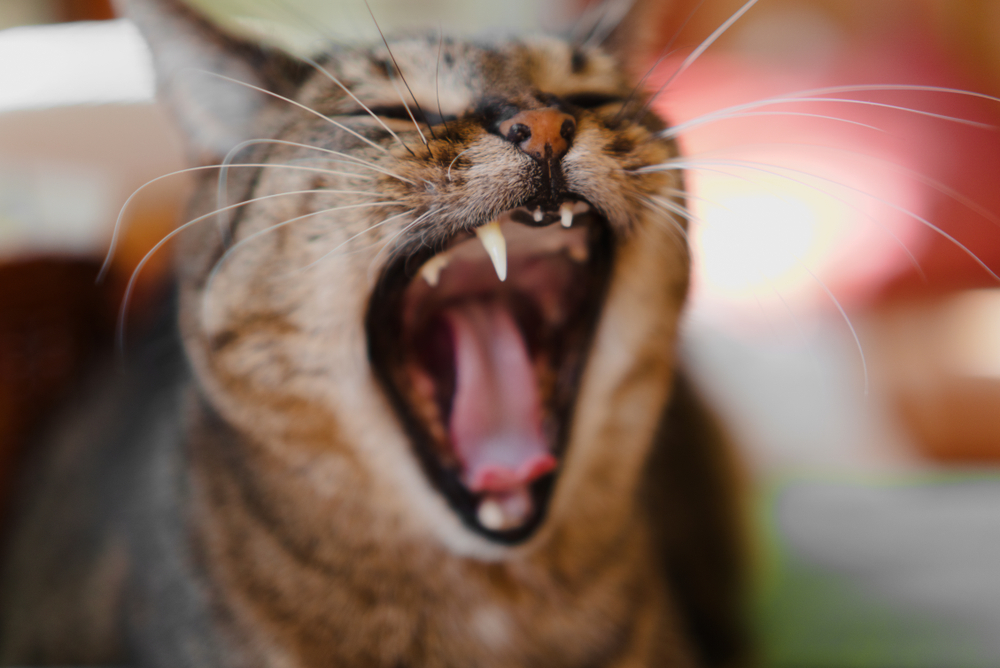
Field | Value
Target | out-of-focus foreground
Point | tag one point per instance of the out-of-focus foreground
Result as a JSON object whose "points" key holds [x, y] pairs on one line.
{"points": [[845, 317]]}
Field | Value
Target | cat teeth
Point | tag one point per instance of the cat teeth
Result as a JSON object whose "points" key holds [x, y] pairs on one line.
{"points": [[506, 510], [566, 214], [495, 245], [431, 271], [578, 252], [539, 215], [491, 515]]}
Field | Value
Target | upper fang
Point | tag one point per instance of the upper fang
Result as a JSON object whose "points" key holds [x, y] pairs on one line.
{"points": [[566, 214], [495, 245]]}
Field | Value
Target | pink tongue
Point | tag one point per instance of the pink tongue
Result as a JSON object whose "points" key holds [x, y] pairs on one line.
{"points": [[495, 416]]}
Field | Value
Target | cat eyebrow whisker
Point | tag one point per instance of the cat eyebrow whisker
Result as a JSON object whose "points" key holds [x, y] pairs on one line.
{"points": [[271, 228], [694, 55], [437, 76], [409, 112], [609, 15], [300, 106], [116, 233], [344, 88], [402, 78], [664, 54]]}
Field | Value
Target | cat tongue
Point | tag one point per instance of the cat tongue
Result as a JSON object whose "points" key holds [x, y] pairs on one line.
{"points": [[495, 417]]}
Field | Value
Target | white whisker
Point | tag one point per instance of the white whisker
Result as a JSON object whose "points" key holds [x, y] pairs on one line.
{"points": [[909, 254], [116, 233], [271, 228], [409, 112], [671, 207], [716, 116], [352, 238], [123, 311], [703, 47], [300, 106], [843, 314], [226, 164], [940, 186], [452, 163], [775, 170], [393, 238], [344, 88], [730, 112]]}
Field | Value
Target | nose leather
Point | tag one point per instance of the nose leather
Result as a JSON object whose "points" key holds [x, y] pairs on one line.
{"points": [[544, 134]]}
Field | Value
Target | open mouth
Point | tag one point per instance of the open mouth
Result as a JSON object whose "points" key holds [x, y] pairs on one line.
{"points": [[481, 347]]}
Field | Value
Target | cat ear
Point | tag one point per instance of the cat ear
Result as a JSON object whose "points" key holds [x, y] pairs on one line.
{"points": [[191, 55]]}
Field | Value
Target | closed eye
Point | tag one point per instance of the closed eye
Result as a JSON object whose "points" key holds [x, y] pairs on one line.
{"points": [[400, 113], [591, 100]]}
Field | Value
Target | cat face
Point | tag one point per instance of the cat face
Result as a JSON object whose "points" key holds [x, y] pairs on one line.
{"points": [[473, 309]]}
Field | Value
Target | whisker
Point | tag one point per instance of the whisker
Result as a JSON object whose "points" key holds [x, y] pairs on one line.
{"points": [[116, 233], [300, 106], [775, 170], [664, 54], [671, 207], [940, 186], [271, 228], [347, 157], [371, 113], [123, 310], [614, 12], [899, 242], [222, 220], [694, 55], [393, 238], [403, 78], [347, 241], [452, 163], [437, 77], [716, 116], [847, 320], [409, 112], [728, 113]]}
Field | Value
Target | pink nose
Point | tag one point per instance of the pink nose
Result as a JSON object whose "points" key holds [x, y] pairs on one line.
{"points": [[544, 134]]}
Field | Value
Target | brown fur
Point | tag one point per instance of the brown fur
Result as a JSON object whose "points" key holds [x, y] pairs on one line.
{"points": [[311, 531]]}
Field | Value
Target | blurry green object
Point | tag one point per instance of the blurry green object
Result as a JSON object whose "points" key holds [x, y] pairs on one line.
{"points": [[812, 615]]}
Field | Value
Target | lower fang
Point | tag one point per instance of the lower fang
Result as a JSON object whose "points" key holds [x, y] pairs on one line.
{"points": [[566, 214], [431, 270], [490, 515], [538, 215], [502, 512]]}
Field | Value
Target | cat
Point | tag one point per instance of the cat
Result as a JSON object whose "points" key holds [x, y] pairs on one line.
{"points": [[425, 410]]}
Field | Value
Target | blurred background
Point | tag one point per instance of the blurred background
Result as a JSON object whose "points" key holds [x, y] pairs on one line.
{"points": [[845, 319]]}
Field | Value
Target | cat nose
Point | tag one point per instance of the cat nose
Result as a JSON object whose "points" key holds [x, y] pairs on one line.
{"points": [[544, 134]]}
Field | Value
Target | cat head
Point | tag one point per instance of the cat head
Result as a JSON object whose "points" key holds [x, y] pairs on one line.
{"points": [[444, 272]]}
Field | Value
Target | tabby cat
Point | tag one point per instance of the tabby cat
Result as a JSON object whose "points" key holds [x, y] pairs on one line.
{"points": [[427, 411]]}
